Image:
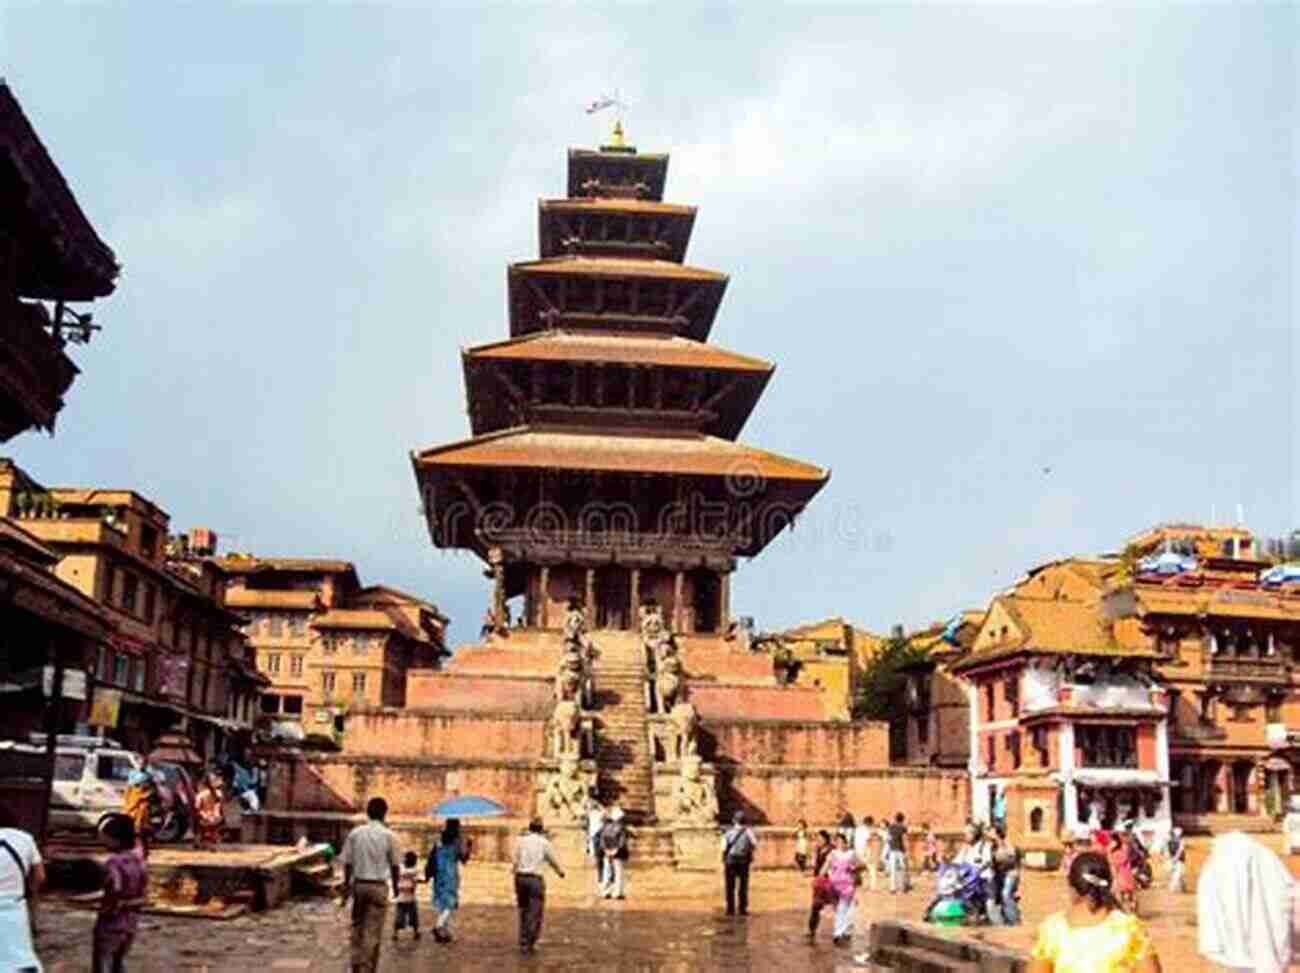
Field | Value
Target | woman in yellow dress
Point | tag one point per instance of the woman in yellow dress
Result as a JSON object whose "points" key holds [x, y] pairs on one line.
{"points": [[1092, 935]]}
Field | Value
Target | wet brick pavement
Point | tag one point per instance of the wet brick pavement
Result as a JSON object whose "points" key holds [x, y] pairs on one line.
{"points": [[669, 922]]}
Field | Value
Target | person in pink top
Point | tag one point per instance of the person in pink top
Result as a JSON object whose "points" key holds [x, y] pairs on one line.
{"points": [[125, 884], [842, 868]]}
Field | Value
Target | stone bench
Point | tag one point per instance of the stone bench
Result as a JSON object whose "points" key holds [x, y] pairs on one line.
{"points": [[896, 945]]}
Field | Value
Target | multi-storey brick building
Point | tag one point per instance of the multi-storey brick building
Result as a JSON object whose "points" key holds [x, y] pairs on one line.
{"points": [[325, 642], [175, 655], [1186, 619]]}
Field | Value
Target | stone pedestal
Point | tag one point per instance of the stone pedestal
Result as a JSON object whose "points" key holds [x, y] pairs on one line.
{"points": [[1032, 822], [666, 776], [585, 774], [697, 848]]}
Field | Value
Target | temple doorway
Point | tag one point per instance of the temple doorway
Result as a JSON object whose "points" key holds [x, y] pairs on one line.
{"points": [[1211, 770], [612, 598], [707, 593], [1241, 771]]}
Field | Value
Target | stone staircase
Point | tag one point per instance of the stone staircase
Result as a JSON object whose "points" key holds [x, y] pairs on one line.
{"points": [[623, 758]]}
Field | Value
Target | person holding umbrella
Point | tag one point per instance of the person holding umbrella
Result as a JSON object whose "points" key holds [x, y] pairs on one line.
{"points": [[532, 853]]}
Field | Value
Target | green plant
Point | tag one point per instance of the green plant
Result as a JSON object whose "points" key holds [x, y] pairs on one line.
{"points": [[881, 684]]}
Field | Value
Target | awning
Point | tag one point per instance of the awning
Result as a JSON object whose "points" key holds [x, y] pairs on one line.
{"points": [[1115, 779]]}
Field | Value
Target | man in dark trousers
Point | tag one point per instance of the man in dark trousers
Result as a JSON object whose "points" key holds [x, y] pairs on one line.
{"points": [[737, 855], [370, 863], [532, 854]]}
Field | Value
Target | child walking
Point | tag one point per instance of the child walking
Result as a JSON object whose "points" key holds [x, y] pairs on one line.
{"points": [[801, 846], [125, 881], [407, 913], [930, 846]]}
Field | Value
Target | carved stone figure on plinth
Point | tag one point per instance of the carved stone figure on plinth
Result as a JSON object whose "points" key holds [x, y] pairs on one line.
{"points": [[694, 801], [565, 798], [570, 676], [653, 632], [685, 722], [668, 682], [566, 721]]}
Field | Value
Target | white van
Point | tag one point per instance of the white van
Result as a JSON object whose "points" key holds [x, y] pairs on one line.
{"points": [[90, 778]]}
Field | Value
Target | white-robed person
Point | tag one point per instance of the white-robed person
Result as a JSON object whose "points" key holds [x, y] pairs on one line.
{"points": [[22, 873], [1243, 907]]}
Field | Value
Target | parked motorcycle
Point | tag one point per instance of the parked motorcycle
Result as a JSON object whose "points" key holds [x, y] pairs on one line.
{"points": [[961, 897]]}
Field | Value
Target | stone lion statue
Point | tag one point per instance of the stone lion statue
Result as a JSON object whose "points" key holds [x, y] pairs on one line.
{"points": [[565, 721], [694, 801], [668, 682], [685, 722], [565, 797]]}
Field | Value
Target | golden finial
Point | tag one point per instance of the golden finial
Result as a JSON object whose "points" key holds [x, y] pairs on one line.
{"points": [[616, 137]]}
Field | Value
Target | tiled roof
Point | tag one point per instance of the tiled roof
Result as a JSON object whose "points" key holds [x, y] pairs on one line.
{"points": [[83, 266], [1051, 626], [233, 564], [257, 598], [673, 352], [615, 205], [617, 267], [377, 594], [760, 703], [609, 452], [1222, 602], [14, 537], [359, 618]]}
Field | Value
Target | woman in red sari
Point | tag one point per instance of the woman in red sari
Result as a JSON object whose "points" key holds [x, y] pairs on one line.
{"points": [[1124, 885]]}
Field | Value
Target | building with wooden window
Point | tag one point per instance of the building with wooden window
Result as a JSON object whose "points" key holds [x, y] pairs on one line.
{"points": [[325, 643], [604, 465], [175, 657], [1225, 626]]}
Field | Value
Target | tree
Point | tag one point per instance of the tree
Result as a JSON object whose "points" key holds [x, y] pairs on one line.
{"points": [[881, 687]]}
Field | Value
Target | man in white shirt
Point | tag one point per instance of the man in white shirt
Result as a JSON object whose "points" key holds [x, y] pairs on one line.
{"points": [[22, 873], [532, 854], [863, 836], [370, 861]]}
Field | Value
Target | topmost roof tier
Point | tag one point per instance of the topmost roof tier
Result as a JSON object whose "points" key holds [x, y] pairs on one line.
{"points": [[618, 172]]}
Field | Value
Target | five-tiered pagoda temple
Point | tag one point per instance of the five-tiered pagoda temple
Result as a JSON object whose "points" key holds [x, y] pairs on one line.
{"points": [[604, 465]]}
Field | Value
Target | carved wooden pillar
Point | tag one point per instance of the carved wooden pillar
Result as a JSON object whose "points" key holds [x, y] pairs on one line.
{"points": [[632, 372], [590, 607], [575, 378], [499, 593], [536, 382], [634, 600], [600, 384], [724, 600], [678, 589], [544, 599]]}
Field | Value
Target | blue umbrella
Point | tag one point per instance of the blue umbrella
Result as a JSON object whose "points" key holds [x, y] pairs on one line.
{"points": [[468, 806]]}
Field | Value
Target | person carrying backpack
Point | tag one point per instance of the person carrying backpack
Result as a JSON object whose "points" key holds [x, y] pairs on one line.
{"points": [[613, 843], [738, 847]]}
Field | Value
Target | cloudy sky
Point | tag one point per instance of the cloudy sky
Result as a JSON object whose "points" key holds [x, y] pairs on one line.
{"points": [[1027, 272]]}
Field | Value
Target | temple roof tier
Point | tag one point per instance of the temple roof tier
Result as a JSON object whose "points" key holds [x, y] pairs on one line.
{"points": [[615, 228], [522, 448], [751, 494], [607, 293], [626, 380], [625, 174]]}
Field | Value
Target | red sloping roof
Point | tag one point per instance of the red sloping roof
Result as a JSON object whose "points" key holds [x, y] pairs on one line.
{"points": [[617, 267], [552, 449], [617, 205], [675, 352], [298, 565], [263, 598], [757, 703]]}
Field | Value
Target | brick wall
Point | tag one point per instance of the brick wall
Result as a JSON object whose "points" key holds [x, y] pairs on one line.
{"points": [[781, 797], [443, 736], [784, 744], [474, 693]]}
